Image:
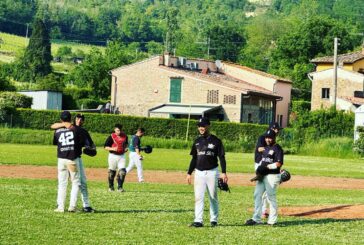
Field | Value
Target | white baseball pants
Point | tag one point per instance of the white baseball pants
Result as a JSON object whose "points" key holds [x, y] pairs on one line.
{"points": [[68, 168], [206, 180], [269, 185], [116, 162], [134, 160], [83, 186]]}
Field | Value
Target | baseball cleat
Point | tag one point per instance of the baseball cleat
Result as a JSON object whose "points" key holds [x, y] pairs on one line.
{"points": [[196, 224], [72, 209], [213, 224], [111, 189], [121, 190], [88, 210], [252, 222], [58, 210]]}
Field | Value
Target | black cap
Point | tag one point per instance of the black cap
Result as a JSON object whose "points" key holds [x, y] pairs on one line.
{"points": [[275, 126], [66, 116], [203, 122], [81, 116], [270, 134]]}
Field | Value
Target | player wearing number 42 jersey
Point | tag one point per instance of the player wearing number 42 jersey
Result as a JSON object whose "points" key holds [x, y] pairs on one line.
{"points": [[68, 140]]}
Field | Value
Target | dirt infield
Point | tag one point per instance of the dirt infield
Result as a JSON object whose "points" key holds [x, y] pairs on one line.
{"points": [[174, 177]]}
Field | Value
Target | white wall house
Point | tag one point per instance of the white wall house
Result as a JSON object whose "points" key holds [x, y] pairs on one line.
{"points": [[45, 100]]}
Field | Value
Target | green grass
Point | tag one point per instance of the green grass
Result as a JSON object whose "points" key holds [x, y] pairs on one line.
{"points": [[178, 160], [159, 214], [15, 44]]}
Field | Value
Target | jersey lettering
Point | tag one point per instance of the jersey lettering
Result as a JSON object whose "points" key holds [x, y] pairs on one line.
{"points": [[66, 138]]}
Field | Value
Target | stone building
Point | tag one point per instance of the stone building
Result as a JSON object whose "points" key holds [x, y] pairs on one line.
{"points": [[350, 82], [176, 87]]}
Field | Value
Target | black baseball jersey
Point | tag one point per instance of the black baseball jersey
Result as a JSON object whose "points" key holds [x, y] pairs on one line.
{"points": [[68, 141], [86, 140], [205, 151], [260, 143], [272, 154]]}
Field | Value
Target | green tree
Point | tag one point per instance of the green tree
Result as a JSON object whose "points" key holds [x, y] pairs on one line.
{"points": [[37, 57], [305, 41]]}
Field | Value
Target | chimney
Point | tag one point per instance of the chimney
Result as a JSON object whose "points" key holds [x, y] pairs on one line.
{"points": [[167, 57]]}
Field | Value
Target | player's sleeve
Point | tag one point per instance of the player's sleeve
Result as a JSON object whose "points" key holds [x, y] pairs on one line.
{"points": [[193, 162], [279, 154], [89, 140], [260, 142], [136, 142], [55, 141], [221, 156], [126, 142], [108, 142]]}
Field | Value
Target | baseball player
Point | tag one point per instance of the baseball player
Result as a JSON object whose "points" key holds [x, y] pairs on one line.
{"points": [[135, 156], [116, 144], [78, 123], [67, 139], [206, 149], [272, 160], [260, 146]]}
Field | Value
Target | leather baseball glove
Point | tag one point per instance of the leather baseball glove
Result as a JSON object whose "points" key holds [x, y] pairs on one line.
{"points": [[222, 185]]}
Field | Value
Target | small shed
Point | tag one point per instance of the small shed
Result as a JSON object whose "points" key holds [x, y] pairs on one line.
{"points": [[359, 120], [45, 100]]}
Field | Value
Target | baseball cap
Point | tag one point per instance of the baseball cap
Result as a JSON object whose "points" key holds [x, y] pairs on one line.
{"points": [[66, 116], [274, 125], [81, 116], [203, 122], [270, 134]]}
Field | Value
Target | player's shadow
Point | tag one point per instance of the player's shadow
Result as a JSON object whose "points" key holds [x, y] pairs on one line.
{"points": [[299, 222], [144, 211]]}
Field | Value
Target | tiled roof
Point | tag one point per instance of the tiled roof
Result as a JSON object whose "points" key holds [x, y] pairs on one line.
{"points": [[262, 73], [348, 58], [223, 80], [353, 100]]}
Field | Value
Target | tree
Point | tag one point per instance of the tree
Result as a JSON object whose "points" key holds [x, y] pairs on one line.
{"points": [[305, 41], [37, 57]]}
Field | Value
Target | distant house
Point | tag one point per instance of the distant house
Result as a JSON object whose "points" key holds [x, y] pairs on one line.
{"points": [[45, 100], [176, 87], [350, 82]]}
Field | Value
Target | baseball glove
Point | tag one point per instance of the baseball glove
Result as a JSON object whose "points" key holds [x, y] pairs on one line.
{"points": [[147, 149], [90, 151], [222, 185], [285, 175]]}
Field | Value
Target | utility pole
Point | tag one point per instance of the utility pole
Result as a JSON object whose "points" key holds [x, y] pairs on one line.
{"points": [[336, 43], [26, 33]]}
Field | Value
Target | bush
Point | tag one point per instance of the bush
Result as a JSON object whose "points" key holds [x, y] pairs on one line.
{"points": [[88, 103], [244, 135], [6, 109], [301, 106], [359, 143], [16, 99], [71, 95], [326, 123]]}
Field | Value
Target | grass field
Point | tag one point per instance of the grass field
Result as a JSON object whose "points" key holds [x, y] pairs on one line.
{"points": [[170, 159], [159, 214], [14, 43]]}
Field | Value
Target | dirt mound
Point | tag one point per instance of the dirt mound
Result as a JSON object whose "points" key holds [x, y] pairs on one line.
{"points": [[325, 212]]}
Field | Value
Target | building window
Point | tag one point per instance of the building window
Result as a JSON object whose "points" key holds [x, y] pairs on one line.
{"points": [[213, 96], [230, 99], [325, 93], [175, 90]]}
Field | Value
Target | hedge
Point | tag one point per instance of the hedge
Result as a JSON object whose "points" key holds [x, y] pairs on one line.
{"points": [[155, 127]]}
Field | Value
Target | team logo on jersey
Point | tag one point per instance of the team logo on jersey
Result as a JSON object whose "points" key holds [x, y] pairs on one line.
{"points": [[271, 152], [210, 146]]}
